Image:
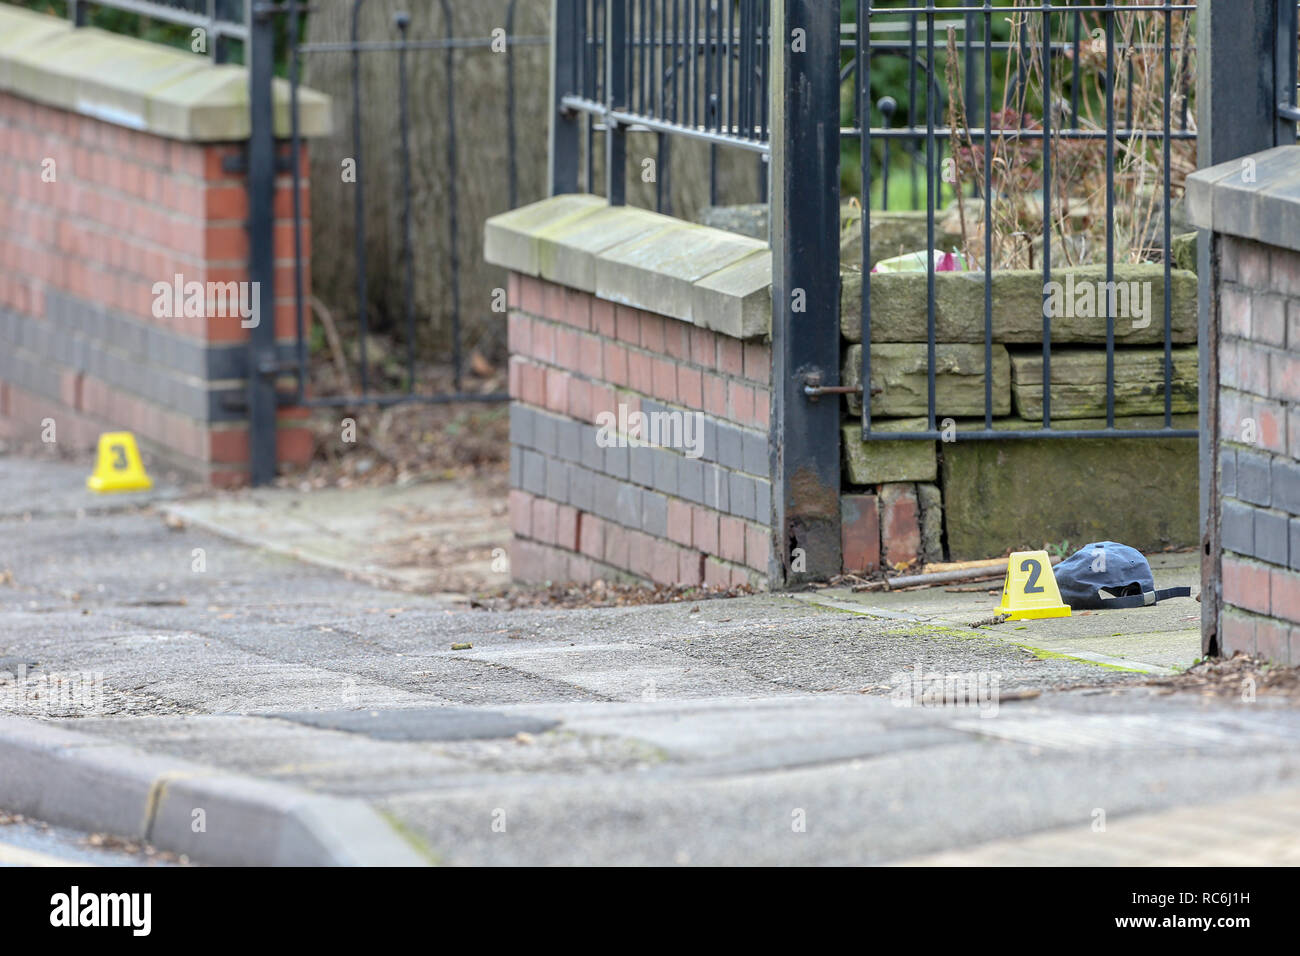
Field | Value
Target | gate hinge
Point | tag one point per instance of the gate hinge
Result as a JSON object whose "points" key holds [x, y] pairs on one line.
{"points": [[814, 389]]}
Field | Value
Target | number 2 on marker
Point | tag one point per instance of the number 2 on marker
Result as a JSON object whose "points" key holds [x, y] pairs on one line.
{"points": [[1035, 569]]}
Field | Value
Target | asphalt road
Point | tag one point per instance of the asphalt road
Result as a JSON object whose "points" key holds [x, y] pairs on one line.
{"points": [[752, 730]]}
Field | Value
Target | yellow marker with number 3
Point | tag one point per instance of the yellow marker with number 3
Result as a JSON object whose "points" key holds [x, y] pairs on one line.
{"points": [[1030, 589], [118, 466]]}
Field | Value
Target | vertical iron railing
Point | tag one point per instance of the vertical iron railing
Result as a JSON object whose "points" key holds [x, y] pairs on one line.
{"points": [[691, 68], [402, 44], [262, 359], [1056, 34], [222, 21]]}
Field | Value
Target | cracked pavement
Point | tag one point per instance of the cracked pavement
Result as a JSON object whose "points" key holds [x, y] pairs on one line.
{"points": [[751, 730]]}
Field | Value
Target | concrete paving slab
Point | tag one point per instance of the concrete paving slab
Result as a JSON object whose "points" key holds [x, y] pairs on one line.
{"points": [[422, 723], [35, 488], [762, 729], [1259, 830], [439, 537], [1161, 639]]}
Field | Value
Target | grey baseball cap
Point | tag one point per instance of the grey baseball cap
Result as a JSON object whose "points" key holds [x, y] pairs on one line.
{"points": [[1106, 574]]}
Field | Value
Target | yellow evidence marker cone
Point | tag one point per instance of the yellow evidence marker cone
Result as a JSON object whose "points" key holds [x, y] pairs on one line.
{"points": [[1030, 589], [118, 466]]}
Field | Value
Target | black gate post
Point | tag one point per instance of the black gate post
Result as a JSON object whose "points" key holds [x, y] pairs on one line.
{"points": [[261, 250], [1246, 67], [616, 88], [805, 224], [565, 46]]}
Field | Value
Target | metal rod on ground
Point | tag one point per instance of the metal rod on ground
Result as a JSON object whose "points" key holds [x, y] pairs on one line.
{"points": [[941, 577]]}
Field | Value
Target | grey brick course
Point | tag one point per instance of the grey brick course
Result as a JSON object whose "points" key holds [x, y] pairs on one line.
{"points": [[627, 505], [557, 481], [568, 440], [593, 456], [521, 425], [580, 487], [763, 501], [690, 479], [641, 465], [1237, 526], [731, 447], [545, 434], [742, 495], [1227, 470], [1286, 485], [654, 513], [1253, 481], [534, 473], [717, 488], [1271, 536], [755, 453], [604, 496], [665, 471], [617, 461]]}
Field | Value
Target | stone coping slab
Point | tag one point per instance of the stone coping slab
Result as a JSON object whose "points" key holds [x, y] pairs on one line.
{"points": [[708, 277], [138, 84], [1255, 197], [898, 305]]}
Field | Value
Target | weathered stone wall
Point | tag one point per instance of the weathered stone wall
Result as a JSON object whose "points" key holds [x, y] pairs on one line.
{"points": [[911, 501], [621, 312], [985, 497]]}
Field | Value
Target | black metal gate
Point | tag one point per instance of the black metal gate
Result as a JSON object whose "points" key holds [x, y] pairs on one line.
{"points": [[288, 23], [619, 62]]}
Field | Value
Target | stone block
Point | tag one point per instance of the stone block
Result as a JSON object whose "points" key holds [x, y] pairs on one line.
{"points": [[1079, 382], [1021, 494], [875, 462], [899, 302], [901, 372], [930, 500]]}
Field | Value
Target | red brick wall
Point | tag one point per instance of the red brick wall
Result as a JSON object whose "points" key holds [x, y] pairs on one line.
{"points": [[1259, 455], [579, 512], [128, 209]]}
